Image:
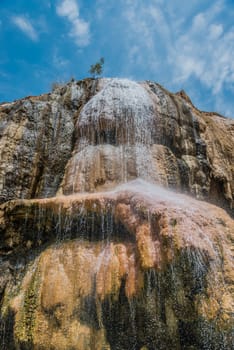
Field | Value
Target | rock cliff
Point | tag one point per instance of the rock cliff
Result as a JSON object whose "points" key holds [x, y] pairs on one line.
{"points": [[108, 239]]}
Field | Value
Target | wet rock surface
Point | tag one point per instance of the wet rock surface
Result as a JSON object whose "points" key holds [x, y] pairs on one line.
{"points": [[37, 135], [138, 266], [93, 134]]}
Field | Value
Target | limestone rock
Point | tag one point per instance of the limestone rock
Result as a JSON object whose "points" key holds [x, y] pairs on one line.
{"points": [[99, 249], [140, 266], [110, 131]]}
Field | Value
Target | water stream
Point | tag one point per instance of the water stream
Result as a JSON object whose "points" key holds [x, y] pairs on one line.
{"points": [[122, 263], [114, 137]]}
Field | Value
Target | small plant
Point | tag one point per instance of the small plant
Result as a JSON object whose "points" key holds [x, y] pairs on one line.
{"points": [[96, 69]]}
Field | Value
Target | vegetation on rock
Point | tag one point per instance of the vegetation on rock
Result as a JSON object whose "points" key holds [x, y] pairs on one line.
{"points": [[97, 68]]}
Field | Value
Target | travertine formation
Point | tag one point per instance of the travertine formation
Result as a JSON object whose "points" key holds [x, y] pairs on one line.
{"points": [[99, 250], [93, 134]]}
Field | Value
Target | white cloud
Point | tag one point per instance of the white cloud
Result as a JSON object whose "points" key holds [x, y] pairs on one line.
{"points": [[196, 44], [25, 26], [215, 31], [142, 33], [161, 24], [68, 8], [199, 22], [79, 27], [205, 51], [58, 61]]}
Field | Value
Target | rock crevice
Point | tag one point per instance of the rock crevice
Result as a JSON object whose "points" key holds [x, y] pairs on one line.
{"points": [[107, 237]]}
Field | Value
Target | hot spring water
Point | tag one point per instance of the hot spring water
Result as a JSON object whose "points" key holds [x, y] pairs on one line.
{"points": [[135, 256]]}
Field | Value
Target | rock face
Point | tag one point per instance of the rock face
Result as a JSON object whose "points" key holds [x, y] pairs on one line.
{"points": [[93, 134], [92, 257]]}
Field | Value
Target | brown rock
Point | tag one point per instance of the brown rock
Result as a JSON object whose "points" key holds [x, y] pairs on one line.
{"points": [[164, 236], [138, 267], [92, 135]]}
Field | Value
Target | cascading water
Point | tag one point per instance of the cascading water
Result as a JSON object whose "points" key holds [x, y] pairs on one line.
{"points": [[130, 266], [114, 138]]}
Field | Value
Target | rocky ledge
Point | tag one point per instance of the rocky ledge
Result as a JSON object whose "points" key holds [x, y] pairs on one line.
{"points": [[93, 134], [137, 268], [107, 236]]}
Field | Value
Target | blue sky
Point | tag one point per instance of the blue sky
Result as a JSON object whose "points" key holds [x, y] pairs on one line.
{"points": [[180, 44]]}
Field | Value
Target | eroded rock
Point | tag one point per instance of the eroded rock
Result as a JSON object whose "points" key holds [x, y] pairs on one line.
{"points": [[94, 134], [138, 267]]}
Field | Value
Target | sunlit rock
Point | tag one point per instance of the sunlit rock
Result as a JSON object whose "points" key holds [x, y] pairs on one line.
{"points": [[99, 248]]}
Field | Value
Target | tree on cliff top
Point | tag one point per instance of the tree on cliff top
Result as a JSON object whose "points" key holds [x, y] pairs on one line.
{"points": [[96, 69]]}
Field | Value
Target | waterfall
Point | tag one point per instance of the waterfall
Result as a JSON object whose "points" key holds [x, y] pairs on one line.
{"points": [[114, 137], [117, 259]]}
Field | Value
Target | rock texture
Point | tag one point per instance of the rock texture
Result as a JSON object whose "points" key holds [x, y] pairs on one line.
{"points": [[93, 134], [37, 136], [139, 266]]}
